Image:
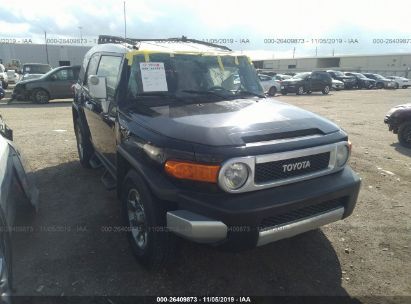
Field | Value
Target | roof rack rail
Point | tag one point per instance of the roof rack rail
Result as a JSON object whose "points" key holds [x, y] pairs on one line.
{"points": [[104, 39]]}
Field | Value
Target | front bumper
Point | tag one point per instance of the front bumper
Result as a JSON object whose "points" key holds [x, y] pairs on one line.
{"points": [[246, 220]]}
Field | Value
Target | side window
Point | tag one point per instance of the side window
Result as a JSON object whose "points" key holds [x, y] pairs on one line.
{"points": [[92, 66], [109, 67], [66, 74], [315, 76]]}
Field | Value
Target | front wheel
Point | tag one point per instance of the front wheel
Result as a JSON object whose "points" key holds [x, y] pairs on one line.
{"points": [[326, 90], [404, 134], [272, 91], [150, 240], [284, 92]]}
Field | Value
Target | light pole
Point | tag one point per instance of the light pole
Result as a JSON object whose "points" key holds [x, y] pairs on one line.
{"points": [[47, 51], [81, 34]]}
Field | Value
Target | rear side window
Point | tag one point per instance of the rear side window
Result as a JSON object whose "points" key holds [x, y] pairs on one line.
{"points": [[109, 67]]}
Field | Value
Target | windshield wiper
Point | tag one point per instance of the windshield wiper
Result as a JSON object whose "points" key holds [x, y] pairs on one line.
{"points": [[204, 93], [243, 92]]}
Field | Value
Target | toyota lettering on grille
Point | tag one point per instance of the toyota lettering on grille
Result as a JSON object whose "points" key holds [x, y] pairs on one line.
{"points": [[296, 166]]}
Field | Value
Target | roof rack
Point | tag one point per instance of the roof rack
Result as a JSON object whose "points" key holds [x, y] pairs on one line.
{"points": [[104, 39]]}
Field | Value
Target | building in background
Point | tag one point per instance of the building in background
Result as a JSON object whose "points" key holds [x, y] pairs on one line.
{"points": [[390, 64], [55, 55]]}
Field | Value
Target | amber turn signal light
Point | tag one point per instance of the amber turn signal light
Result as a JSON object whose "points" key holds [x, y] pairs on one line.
{"points": [[192, 171], [349, 146]]}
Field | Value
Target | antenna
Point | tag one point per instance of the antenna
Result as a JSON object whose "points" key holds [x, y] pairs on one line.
{"points": [[125, 22]]}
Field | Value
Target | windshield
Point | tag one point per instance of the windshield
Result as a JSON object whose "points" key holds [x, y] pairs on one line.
{"points": [[187, 75], [301, 75], [379, 76], [36, 68], [359, 75], [338, 73]]}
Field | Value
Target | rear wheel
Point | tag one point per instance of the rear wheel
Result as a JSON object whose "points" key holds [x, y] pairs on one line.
{"points": [[151, 242], [284, 92], [300, 90], [84, 146], [397, 86], [404, 134], [380, 85], [272, 91], [40, 96], [326, 90]]}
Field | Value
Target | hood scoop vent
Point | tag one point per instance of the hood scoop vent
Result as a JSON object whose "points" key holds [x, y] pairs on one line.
{"points": [[280, 136]]}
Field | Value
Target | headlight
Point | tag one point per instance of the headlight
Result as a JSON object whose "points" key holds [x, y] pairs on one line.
{"points": [[343, 153], [235, 175]]}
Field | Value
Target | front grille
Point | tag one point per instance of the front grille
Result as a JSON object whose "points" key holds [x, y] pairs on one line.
{"points": [[301, 213], [277, 170]]}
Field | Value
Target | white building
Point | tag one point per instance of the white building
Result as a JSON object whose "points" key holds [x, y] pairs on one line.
{"points": [[390, 64], [55, 55]]}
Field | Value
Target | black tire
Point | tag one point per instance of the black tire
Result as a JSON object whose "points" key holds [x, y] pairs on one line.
{"points": [[5, 85], [84, 147], [284, 92], [40, 96], [309, 92], [300, 90], [326, 90], [272, 91], [404, 134], [404, 87], [397, 86], [380, 85], [152, 244]]}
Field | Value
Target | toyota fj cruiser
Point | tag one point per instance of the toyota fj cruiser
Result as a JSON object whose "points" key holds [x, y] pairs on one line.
{"points": [[194, 148]]}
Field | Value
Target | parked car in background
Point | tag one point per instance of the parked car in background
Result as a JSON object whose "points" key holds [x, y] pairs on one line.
{"points": [[381, 82], [401, 82], [13, 76], [18, 193], [55, 84], [4, 79], [361, 82], [269, 84], [337, 85], [349, 81], [35, 68], [317, 81], [398, 120]]}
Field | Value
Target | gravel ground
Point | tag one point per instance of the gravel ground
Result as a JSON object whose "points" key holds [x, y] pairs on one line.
{"points": [[68, 252]]}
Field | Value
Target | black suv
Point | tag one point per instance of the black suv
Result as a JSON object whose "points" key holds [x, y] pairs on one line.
{"points": [[349, 81], [195, 150], [398, 120], [362, 82], [317, 81]]}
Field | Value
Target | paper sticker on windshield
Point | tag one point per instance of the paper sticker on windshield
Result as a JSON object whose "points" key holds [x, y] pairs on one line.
{"points": [[153, 76]]}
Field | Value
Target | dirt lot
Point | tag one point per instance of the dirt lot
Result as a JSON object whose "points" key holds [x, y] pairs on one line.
{"points": [[367, 254]]}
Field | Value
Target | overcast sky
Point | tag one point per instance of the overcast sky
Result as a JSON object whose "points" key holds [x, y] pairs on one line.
{"points": [[222, 19]]}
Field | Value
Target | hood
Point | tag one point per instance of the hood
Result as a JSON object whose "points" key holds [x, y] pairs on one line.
{"points": [[398, 109], [26, 81], [231, 122], [291, 80]]}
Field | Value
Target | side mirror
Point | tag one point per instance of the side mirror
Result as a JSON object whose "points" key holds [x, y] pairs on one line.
{"points": [[98, 90], [97, 86]]}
